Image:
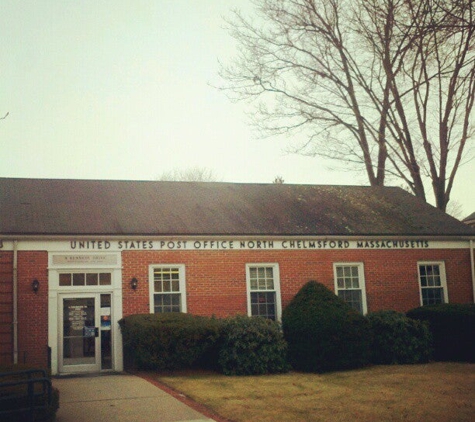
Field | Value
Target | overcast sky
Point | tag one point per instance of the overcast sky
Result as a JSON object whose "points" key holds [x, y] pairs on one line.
{"points": [[120, 89]]}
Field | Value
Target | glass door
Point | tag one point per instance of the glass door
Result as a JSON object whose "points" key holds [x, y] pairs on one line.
{"points": [[80, 339]]}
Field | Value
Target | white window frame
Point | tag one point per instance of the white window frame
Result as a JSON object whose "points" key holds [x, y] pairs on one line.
{"points": [[361, 280], [276, 290], [443, 279], [182, 284]]}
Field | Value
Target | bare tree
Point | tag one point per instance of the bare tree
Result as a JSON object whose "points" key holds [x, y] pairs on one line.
{"points": [[455, 209], [383, 85], [193, 174]]}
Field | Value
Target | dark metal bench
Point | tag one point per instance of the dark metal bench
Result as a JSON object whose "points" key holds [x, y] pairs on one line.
{"points": [[30, 389]]}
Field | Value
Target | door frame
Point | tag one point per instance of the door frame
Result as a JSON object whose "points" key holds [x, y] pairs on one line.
{"points": [[59, 262], [85, 367]]}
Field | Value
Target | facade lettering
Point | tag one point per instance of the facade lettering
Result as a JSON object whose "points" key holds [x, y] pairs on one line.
{"points": [[138, 244], [190, 244], [91, 244], [212, 244], [238, 244], [392, 244], [257, 244], [312, 244]]}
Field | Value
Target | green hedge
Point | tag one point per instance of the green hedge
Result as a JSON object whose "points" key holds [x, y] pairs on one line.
{"points": [[398, 339], [453, 330], [19, 396], [320, 333], [167, 341], [252, 346], [323, 332]]}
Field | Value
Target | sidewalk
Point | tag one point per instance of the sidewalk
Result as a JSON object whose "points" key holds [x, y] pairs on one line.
{"points": [[119, 398]]}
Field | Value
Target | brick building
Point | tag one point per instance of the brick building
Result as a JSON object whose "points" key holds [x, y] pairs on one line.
{"points": [[78, 255]]}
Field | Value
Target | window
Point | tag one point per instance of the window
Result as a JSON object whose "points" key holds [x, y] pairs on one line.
{"points": [[432, 283], [350, 285], [263, 287], [167, 285], [85, 279]]}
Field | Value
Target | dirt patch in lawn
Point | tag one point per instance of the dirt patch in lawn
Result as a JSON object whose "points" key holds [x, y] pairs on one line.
{"points": [[437, 392]]}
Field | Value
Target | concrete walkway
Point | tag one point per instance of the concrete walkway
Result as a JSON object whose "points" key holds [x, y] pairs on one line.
{"points": [[119, 398]]}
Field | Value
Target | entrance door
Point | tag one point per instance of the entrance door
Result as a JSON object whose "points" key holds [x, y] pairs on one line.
{"points": [[80, 333]]}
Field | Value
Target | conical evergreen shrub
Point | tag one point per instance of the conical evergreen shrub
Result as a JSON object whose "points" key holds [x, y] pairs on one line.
{"points": [[323, 332]]}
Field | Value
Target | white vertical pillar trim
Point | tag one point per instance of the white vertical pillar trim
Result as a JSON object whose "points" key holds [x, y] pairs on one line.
{"points": [[472, 262], [15, 302]]}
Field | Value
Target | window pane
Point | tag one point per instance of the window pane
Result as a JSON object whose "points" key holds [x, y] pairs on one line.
{"points": [[65, 279], [167, 288], [432, 296], [263, 279], [353, 298], [430, 278], [263, 304], [270, 284], [105, 279], [262, 284], [435, 279], [340, 281], [105, 301], [167, 280], [157, 286], [78, 279], [348, 277], [349, 286], [167, 303], [91, 279]]}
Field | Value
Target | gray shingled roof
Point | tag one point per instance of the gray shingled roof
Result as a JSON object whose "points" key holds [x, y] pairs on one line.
{"points": [[470, 217], [92, 207]]}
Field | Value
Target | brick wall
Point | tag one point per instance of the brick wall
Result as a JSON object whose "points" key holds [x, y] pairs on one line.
{"points": [[33, 308], [6, 307], [216, 280]]}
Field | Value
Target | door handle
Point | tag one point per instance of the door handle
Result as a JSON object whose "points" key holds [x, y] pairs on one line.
{"points": [[96, 331]]}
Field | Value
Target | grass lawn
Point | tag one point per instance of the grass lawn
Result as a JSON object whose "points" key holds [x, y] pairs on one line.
{"points": [[435, 392]]}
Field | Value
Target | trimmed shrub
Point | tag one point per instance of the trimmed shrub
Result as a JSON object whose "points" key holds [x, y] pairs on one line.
{"points": [[324, 333], [453, 330], [167, 341], [16, 397], [252, 346], [398, 339]]}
